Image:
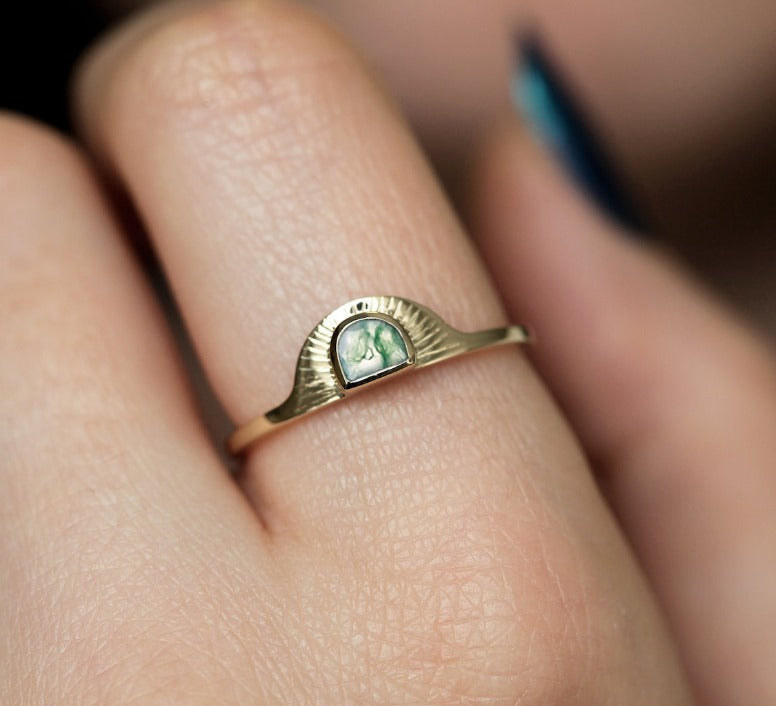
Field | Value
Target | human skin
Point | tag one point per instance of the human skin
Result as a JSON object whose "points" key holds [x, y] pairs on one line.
{"points": [[440, 539], [683, 95]]}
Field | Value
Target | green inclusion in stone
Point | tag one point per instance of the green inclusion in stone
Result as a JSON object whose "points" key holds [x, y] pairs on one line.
{"points": [[368, 347]]}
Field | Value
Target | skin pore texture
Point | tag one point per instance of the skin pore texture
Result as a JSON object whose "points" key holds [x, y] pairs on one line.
{"points": [[438, 539]]}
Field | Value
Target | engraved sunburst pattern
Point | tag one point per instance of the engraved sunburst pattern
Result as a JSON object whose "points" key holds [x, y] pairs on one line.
{"points": [[319, 379], [316, 383]]}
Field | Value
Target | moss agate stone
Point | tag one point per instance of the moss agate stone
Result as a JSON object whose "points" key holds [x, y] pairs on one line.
{"points": [[367, 348]]}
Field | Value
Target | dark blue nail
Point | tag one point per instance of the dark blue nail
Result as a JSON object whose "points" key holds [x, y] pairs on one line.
{"points": [[541, 97]]}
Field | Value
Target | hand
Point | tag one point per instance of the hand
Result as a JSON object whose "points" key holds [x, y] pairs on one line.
{"points": [[684, 96], [439, 539]]}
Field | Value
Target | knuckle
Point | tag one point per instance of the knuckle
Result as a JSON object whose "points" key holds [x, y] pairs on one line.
{"points": [[486, 615], [231, 65], [476, 588]]}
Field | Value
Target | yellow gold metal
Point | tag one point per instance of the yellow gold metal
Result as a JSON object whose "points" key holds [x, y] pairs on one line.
{"points": [[320, 381]]}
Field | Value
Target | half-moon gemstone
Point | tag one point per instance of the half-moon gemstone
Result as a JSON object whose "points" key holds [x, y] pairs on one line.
{"points": [[369, 348]]}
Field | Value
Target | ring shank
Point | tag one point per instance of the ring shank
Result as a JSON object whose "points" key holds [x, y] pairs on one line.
{"points": [[248, 433]]}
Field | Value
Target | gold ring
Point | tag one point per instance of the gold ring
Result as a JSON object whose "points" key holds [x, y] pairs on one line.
{"points": [[362, 342]]}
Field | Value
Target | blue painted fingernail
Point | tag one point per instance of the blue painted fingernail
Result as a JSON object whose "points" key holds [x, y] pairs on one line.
{"points": [[540, 96]]}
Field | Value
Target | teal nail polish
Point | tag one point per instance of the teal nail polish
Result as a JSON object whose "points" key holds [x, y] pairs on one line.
{"points": [[545, 104]]}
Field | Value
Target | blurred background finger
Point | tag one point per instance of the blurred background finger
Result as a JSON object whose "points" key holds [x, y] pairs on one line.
{"points": [[674, 400]]}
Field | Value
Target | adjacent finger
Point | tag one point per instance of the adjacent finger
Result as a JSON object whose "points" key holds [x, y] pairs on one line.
{"points": [[673, 398], [447, 519], [119, 532]]}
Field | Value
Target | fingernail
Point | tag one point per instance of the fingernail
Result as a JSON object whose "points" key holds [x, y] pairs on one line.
{"points": [[542, 99]]}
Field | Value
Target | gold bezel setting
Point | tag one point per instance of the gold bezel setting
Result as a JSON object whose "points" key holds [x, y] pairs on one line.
{"points": [[389, 370]]}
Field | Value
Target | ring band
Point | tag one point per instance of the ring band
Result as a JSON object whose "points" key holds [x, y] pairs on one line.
{"points": [[362, 342]]}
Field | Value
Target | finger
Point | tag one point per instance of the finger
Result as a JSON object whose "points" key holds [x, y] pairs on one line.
{"points": [[425, 521], [119, 533], [669, 393]]}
